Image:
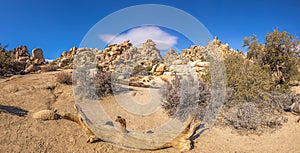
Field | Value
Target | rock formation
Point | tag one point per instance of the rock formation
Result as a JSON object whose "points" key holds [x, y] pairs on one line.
{"points": [[158, 69], [19, 61], [21, 54], [66, 58], [149, 52], [171, 56], [37, 56], [125, 59]]}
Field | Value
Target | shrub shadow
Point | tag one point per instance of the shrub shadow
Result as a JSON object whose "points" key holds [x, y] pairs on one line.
{"points": [[13, 110]]}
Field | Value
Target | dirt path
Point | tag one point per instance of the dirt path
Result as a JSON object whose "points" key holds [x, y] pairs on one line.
{"points": [[40, 91]]}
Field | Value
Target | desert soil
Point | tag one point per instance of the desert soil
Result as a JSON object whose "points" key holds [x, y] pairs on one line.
{"points": [[35, 92]]}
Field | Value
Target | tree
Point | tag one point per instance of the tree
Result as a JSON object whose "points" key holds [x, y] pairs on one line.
{"points": [[4, 57], [279, 54], [255, 49]]}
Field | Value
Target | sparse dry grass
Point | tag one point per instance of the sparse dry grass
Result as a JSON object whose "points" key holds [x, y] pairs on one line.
{"points": [[49, 68], [64, 78]]}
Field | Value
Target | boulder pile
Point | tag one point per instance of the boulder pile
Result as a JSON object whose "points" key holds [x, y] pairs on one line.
{"points": [[22, 62]]}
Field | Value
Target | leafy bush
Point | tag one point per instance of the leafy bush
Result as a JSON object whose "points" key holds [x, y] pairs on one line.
{"points": [[64, 77], [279, 54], [184, 97], [5, 59], [247, 81], [252, 100]]}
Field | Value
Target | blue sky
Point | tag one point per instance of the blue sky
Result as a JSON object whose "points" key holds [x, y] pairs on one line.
{"points": [[55, 25]]}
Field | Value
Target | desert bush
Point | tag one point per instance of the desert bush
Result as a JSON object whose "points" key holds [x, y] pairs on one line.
{"points": [[5, 59], [247, 81], [244, 116], [103, 83], [279, 55], [83, 82], [141, 70], [184, 97], [252, 98], [171, 93], [249, 116], [64, 77], [91, 83], [280, 101]]}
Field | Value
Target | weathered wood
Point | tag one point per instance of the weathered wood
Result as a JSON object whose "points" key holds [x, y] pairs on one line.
{"points": [[133, 83], [142, 140], [122, 122]]}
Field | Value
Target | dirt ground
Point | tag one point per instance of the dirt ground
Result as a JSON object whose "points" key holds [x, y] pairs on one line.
{"points": [[35, 92]]}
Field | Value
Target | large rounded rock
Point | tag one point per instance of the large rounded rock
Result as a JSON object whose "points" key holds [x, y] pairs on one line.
{"points": [[31, 68], [37, 56]]}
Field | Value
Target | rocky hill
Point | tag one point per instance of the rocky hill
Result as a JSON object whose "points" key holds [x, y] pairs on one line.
{"points": [[19, 61], [143, 67]]}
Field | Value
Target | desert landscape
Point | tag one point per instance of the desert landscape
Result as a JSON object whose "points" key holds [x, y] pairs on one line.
{"points": [[33, 93], [30, 84]]}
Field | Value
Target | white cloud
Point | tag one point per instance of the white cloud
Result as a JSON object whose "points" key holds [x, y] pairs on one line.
{"points": [[49, 60], [139, 35]]}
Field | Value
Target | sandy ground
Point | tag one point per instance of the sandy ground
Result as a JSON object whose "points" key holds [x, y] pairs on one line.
{"points": [[35, 92]]}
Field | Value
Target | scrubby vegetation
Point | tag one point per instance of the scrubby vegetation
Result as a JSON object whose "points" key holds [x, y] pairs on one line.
{"points": [[91, 83], [141, 70], [185, 96], [257, 85], [5, 60], [103, 83], [4, 57], [279, 54], [64, 78]]}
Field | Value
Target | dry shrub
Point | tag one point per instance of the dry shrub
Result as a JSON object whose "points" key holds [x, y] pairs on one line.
{"points": [[184, 97], [245, 116], [102, 82], [252, 99], [64, 77], [91, 83], [280, 101], [248, 116]]}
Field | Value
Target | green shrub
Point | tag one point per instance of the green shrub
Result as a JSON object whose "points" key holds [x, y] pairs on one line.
{"points": [[279, 55], [5, 59], [141, 70], [247, 81], [252, 99]]}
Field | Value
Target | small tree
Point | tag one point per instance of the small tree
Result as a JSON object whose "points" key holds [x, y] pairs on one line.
{"points": [[5, 58], [255, 49], [279, 54]]}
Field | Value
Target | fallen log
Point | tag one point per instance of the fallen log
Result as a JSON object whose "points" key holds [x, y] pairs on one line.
{"points": [[140, 140]]}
